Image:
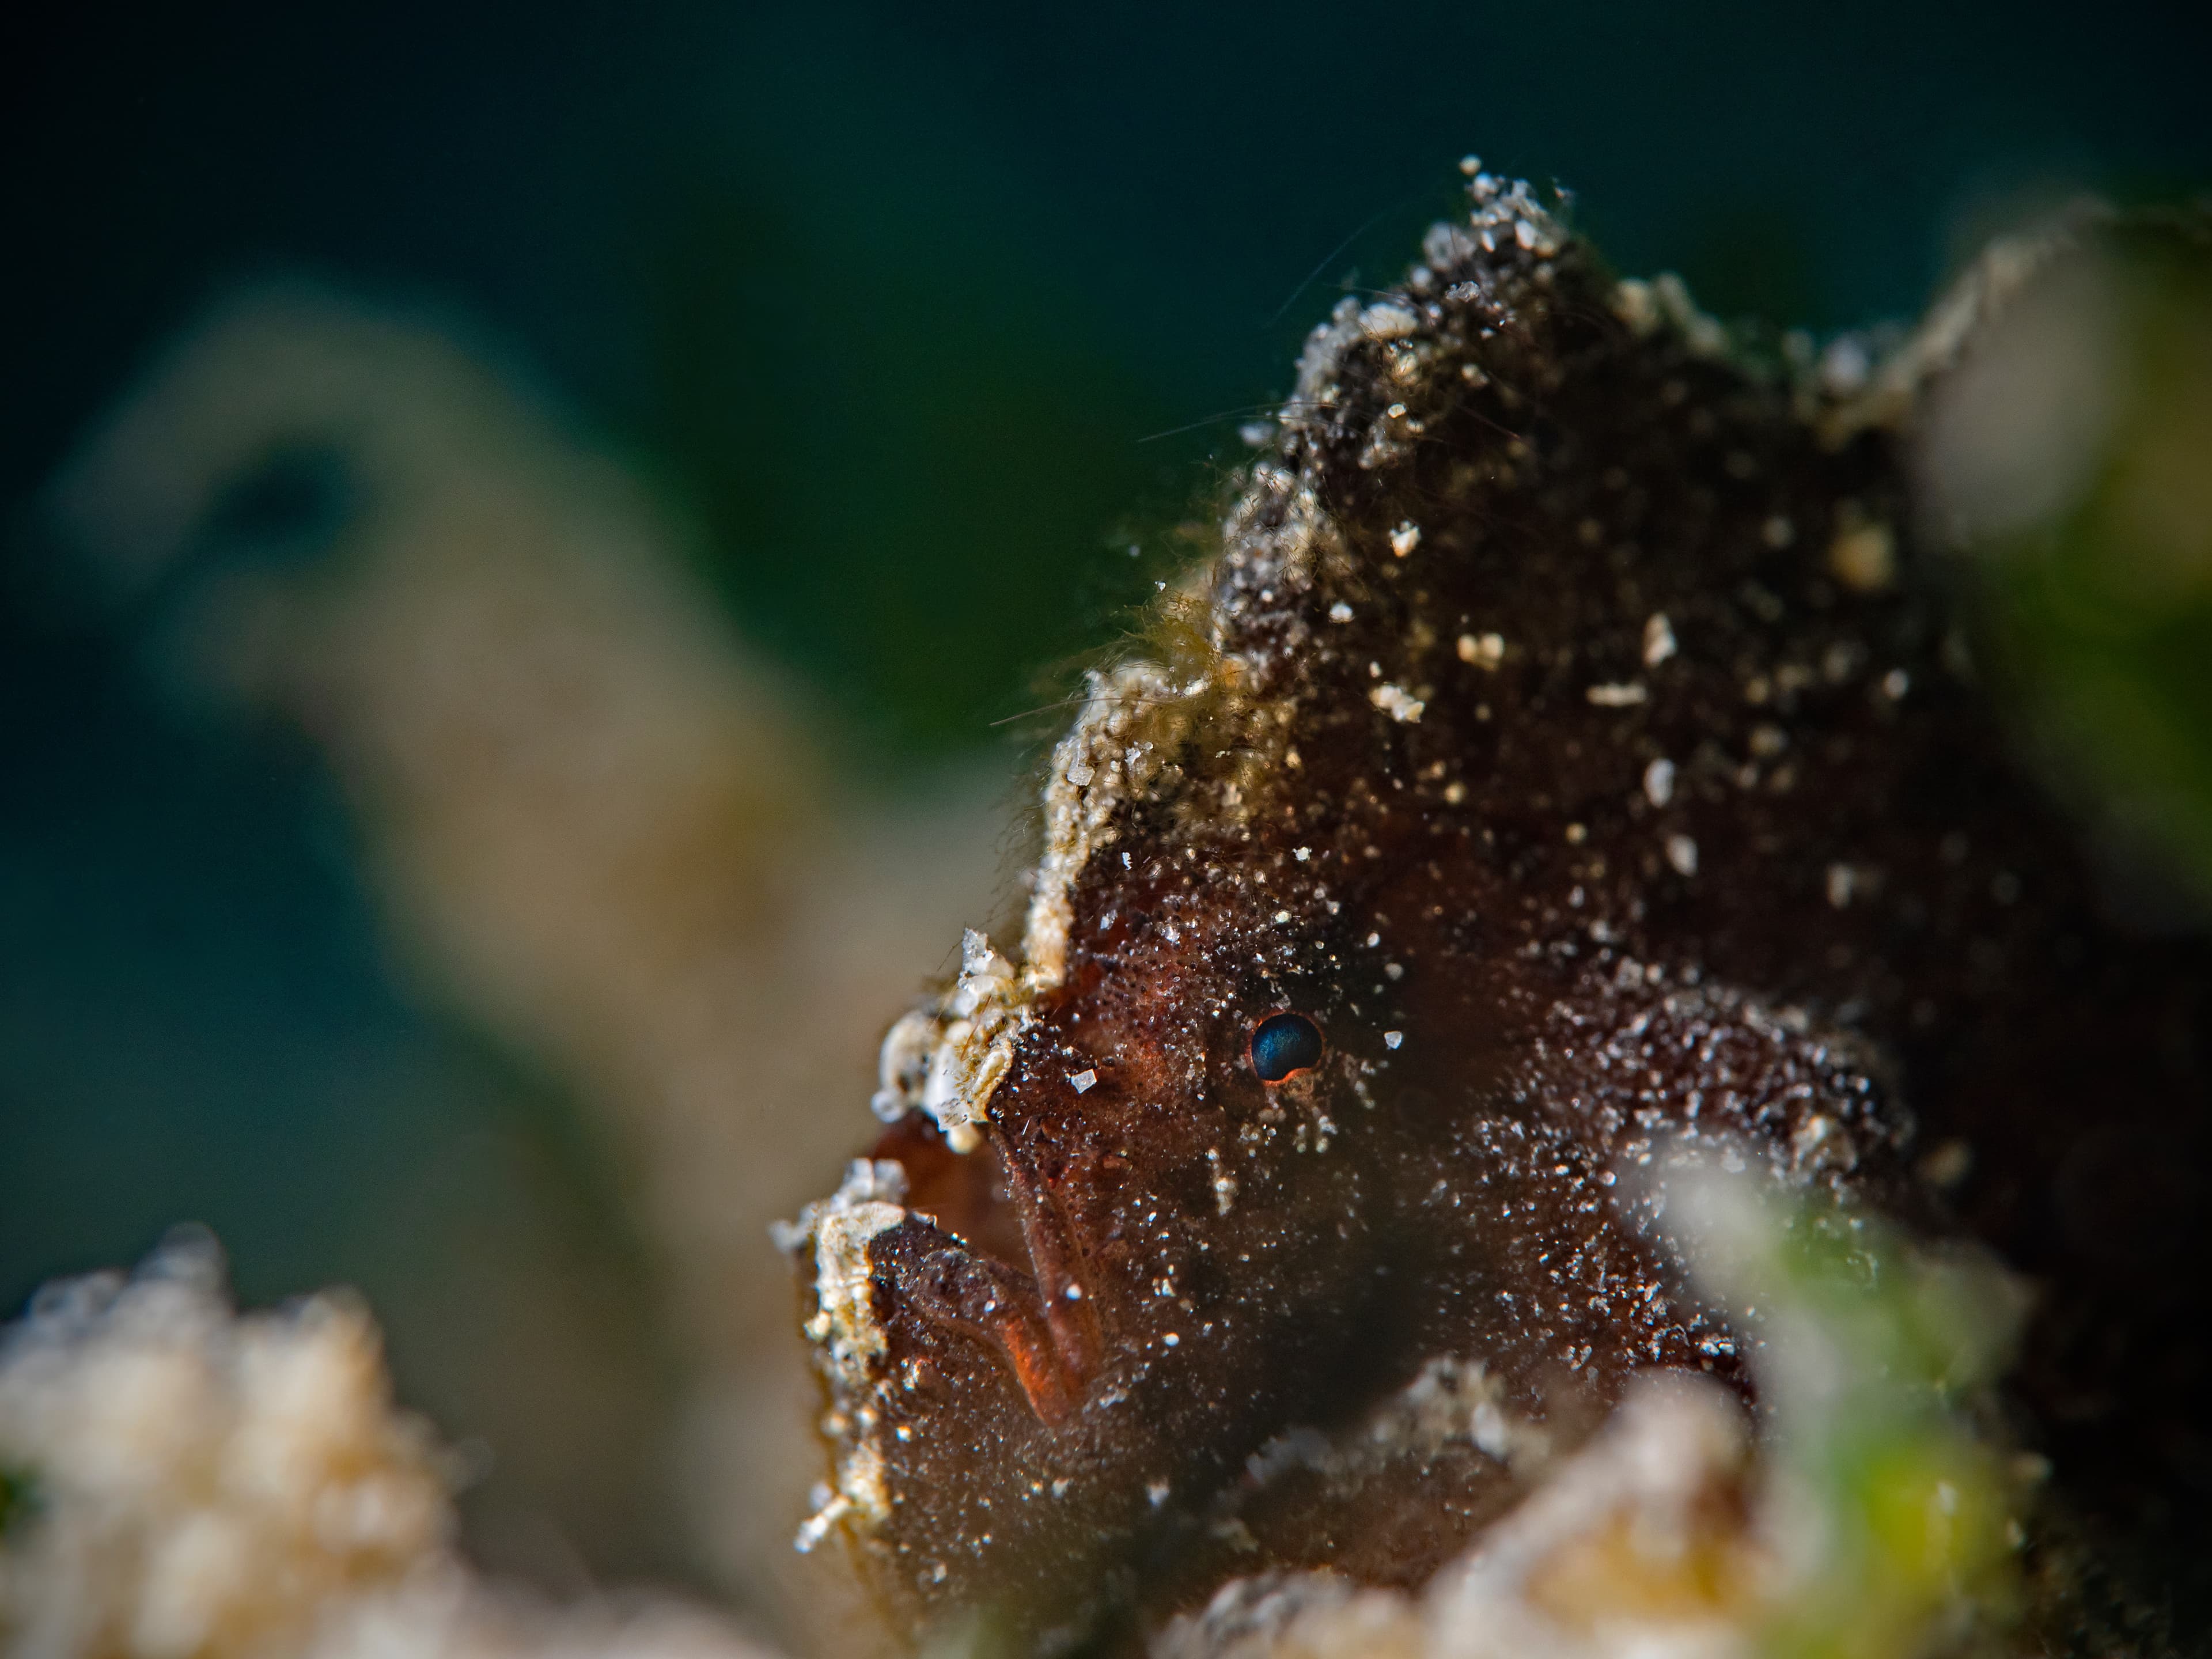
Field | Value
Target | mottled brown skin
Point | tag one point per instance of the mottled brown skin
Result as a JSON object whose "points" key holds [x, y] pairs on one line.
{"points": [[1567, 997]]}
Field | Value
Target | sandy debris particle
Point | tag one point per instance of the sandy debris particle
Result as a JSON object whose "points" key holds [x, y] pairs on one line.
{"points": [[1625, 695]]}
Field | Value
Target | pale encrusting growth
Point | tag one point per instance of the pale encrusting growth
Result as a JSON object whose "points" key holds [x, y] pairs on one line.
{"points": [[843, 1328], [1628, 1549], [189, 1483]]}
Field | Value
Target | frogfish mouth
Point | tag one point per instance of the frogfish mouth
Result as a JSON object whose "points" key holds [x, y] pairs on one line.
{"points": [[1571, 751]]}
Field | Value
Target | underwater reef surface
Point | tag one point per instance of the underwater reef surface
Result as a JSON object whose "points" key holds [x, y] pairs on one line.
{"points": [[1564, 1091], [1569, 769]]}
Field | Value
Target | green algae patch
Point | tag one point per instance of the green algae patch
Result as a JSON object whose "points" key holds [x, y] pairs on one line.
{"points": [[1891, 1508], [2070, 455], [19, 1499]]}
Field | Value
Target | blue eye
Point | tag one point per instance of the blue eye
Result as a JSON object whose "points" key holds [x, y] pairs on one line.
{"points": [[1283, 1045]]}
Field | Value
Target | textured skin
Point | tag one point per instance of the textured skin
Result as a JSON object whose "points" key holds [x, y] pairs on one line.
{"points": [[1092, 1324]]}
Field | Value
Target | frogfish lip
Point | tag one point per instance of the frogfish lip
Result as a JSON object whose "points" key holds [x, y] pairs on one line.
{"points": [[966, 1194], [999, 1261]]}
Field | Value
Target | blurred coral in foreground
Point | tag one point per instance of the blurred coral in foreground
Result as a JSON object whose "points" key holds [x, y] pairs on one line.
{"points": [[186, 1484], [193, 1485], [1868, 1516]]}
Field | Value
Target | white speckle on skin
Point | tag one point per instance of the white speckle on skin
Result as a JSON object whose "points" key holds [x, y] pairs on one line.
{"points": [[1387, 321], [815, 1528], [1340, 613], [1863, 556], [1281, 916], [1947, 1164], [1302, 853], [1659, 781], [1405, 538], [1683, 854], [1842, 884], [1626, 696], [1392, 1039], [1485, 651], [1224, 1184], [963, 1048], [1658, 640], [1397, 703], [1845, 365], [903, 1064], [1635, 304], [1083, 1082], [1132, 715]]}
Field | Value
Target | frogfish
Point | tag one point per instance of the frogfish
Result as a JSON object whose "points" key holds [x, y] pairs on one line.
{"points": [[1573, 745]]}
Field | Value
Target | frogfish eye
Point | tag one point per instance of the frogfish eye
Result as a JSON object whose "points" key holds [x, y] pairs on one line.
{"points": [[1283, 1045]]}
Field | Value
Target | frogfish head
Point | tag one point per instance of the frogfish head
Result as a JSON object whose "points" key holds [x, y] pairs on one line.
{"points": [[1558, 762]]}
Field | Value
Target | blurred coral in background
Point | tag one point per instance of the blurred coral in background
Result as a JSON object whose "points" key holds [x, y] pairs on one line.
{"points": [[598, 828]]}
